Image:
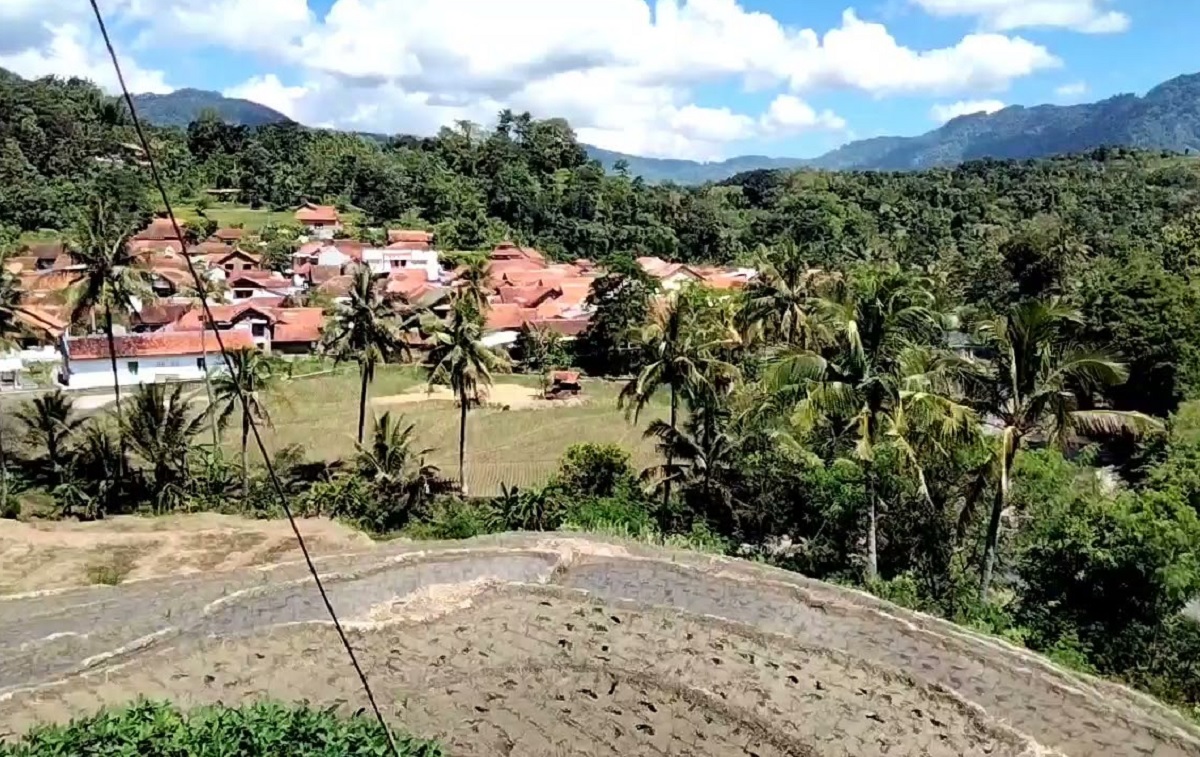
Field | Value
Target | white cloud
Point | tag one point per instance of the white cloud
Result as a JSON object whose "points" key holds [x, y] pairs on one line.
{"points": [[1072, 90], [624, 72], [70, 49], [269, 91], [945, 112], [789, 114], [864, 56], [1087, 16]]}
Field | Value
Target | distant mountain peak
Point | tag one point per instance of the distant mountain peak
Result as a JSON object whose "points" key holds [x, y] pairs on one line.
{"points": [[181, 107]]}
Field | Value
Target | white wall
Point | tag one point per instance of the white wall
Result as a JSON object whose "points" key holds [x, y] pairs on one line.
{"points": [[380, 261], [97, 373]]}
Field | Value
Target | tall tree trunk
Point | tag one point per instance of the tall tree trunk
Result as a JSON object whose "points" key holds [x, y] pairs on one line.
{"points": [[462, 441], [362, 401], [3, 472], [872, 571], [670, 456], [1007, 455], [112, 359], [212, 408], [245, 450]]}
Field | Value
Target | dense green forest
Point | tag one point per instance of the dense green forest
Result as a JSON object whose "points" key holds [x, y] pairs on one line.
{"points": [[919, 394]]}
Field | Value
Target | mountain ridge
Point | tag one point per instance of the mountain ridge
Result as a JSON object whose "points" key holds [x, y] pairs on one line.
{"points": [[1167, 117]]}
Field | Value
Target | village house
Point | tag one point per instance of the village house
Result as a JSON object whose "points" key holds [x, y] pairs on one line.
{"points": [[228, 236], [245, 285], [143, 358], [270, 327], [319, 220], [159, 235]]}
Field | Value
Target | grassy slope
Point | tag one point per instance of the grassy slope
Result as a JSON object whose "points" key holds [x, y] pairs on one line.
{"points": [[514, 447]]}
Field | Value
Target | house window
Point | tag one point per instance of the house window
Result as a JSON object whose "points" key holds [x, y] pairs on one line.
{"points": [[200, 364], [229, 266], [133, 368], [258, 329], [241, 294]]}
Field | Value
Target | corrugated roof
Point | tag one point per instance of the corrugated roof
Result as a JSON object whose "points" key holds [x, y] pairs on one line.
{"points": [[157, 344]]}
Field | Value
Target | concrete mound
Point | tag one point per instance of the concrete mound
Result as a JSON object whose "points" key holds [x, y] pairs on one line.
{"points": [[530, 644]]}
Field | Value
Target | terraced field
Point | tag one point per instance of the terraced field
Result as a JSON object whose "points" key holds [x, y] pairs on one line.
{"points": [[550, 644]]}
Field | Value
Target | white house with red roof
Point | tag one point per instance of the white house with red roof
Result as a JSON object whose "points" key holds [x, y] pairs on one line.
{"points": [[145, 358], [320, 220]]}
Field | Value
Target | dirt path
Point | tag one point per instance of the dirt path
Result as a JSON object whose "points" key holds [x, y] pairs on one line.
{"points": [[535, 644], [55, 555], [514, 396]]}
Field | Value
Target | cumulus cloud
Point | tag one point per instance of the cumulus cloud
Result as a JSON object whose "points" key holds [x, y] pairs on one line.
{"points": [[71, 50], [1087, 16], [945, 112], [789, 114], [625, 73]]}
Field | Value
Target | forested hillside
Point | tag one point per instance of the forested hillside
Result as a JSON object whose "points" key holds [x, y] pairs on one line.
{"points": [[181, 107]]}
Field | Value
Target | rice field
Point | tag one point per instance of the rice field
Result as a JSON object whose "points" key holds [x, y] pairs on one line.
{"points": [[513, 447]]}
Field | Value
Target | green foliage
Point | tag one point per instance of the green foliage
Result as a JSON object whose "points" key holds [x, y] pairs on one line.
{"points": [[595, 470], [260, 730]]}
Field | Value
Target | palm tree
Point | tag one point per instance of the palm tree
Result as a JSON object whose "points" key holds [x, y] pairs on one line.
{"points": [[244, 388], [10, 297], [364, 330], [391, 463], [160, 427], [858, 383], [778, 304], [473, 284], [1037, 381], [209, 290], [703, 460], [50, 422], [681, 356], [460, 360], [111, 282]]}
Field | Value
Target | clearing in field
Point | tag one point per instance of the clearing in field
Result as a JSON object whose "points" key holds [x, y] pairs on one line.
{"points": [[517, 446]]}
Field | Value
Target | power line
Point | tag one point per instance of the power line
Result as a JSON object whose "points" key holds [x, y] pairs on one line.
{"points": [[208, 317]]}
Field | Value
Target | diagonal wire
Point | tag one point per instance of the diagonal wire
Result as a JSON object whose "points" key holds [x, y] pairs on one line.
{"points": [[274, 477]]}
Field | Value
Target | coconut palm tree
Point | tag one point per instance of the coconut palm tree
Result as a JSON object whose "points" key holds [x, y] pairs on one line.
{"points": [[111, 282], [854, 388], [778, 305], [50, 422], [1038, 385], [680, 350], [473, 284], [460, 360], [364, 330], [393, 464], [210, 290], [10, 297], [160, 427], [244, 389]]}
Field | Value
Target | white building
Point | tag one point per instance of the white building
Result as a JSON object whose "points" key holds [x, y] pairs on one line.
{"points": [[388, 260], [145, 358]]}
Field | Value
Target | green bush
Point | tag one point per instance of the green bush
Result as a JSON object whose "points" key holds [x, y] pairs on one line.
{"points": [[454, 518], [591, 513], [158, 729]]}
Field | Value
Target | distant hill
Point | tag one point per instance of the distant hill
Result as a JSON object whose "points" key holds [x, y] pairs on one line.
{"points": [[183, 106], [1166, 118], [655, 170]]}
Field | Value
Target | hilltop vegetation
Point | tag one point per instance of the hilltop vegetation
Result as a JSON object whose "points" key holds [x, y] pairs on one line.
{"points": [[181, 107], [828, 419]]}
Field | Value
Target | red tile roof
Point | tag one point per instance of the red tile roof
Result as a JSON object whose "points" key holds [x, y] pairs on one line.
{"points": [[229, 234], [259, 279], [161, 313], [158, 344], [410, 235], [502, 317], [193, 319], [563, 326], [510, 251], [41, 319], [319, 274], [159, 230], [313, 213], [565, 377], [299, 325], [527, 296]]}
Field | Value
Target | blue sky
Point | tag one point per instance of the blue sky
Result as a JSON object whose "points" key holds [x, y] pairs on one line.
{"points": [[701, 79]]}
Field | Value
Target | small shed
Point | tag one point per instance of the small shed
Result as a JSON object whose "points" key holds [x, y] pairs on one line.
{"points": [[563, 384]]}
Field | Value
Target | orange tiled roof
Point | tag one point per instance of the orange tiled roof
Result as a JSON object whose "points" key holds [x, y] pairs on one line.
{"points": [[299, 325], [41, 319], [313, 213], [510, 251], [208, 248], [503, 317], [526, 296], [193, 319], [563, 326], [229, 234], [410, 235], [158, 344], [159, 230]]}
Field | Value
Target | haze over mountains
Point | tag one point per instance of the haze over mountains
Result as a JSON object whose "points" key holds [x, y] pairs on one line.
{"points": [[1167, 117]]}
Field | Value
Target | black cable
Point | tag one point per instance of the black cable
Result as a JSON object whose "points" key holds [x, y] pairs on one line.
{"points": [[274, 477]]}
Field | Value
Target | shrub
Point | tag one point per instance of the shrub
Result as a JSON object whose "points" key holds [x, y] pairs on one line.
{"points": [[595, 470], [259, 730], [454, 518], [590, 513]]}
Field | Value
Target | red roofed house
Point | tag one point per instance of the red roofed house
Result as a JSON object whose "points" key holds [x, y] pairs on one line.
{"points": [[250, 284], [159, 235], [320, 220], [229, 236], [272, 329], [670, 275], [144, 358]]}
